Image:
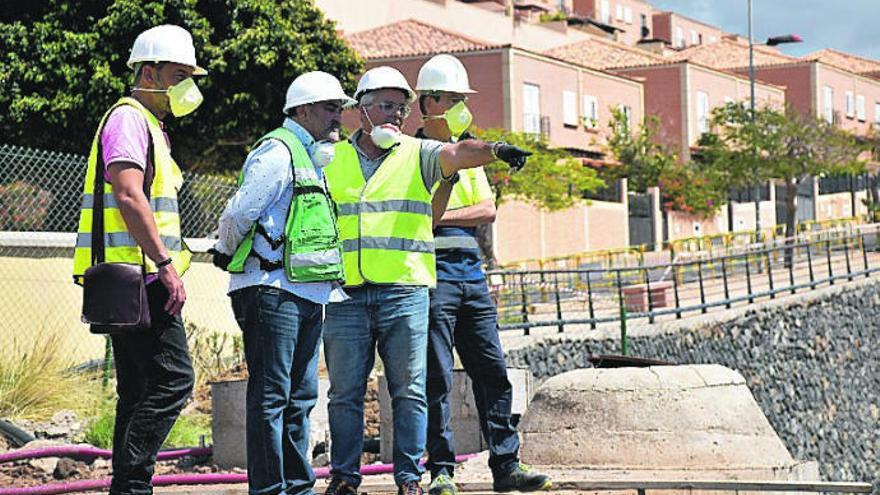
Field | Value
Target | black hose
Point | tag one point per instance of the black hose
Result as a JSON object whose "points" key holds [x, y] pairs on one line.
{"points": [[18, 436]]}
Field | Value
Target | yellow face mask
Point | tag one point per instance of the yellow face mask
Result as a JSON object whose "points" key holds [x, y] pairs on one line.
{"points": [[184, 97], [458, 118]]}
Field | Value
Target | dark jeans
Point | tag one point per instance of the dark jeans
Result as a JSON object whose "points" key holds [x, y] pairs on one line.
{"points": [[282, 335], [154, 378], [463, 316]]}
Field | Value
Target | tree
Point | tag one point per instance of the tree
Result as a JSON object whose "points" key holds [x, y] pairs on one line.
{"points": [[645, 162], [777, 144], [551, 180], [63, 65]]}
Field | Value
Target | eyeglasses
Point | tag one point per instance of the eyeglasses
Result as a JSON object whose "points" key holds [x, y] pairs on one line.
{"points": [[391, 108]]}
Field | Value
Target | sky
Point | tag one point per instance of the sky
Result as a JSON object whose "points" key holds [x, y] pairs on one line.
{"points": [[847, 25]]}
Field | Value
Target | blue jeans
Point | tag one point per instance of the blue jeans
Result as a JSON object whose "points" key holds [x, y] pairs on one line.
{"points": [[282, 335], [463, 316], [394, 318]]}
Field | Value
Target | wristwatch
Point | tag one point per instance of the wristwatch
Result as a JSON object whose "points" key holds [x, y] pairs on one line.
{"points": [[452, 179]]}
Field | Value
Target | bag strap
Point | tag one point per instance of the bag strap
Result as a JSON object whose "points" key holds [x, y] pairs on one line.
{"points": [[98, 195]]}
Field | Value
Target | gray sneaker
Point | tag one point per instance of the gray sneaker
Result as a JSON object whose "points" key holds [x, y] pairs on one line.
{"points": [[522, 479]]}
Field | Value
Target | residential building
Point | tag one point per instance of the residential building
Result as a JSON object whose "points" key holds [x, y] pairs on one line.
{"points": [[839, 87], [632, 19], [681, 32], [490, 21], [681, 94], [522, 90]]}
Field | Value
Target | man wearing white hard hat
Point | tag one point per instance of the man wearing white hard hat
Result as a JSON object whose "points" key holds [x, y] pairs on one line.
{"points": [[382, 182], [130, 215], [279, 241], [462, 315]]}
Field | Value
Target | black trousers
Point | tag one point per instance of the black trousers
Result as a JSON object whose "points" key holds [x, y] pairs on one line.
{"points": [[154, 378]]}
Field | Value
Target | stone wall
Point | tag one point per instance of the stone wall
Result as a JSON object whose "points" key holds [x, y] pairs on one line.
{"points": [[812, 361]]}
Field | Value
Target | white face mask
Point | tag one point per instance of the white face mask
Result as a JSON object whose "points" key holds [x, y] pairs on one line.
{"points": [[323, 153], [383, 136]]}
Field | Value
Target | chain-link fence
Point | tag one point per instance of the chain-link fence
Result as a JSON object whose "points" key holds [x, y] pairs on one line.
{"points": [[40, 198]]}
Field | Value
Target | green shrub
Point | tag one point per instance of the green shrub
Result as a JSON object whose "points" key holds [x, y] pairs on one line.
{"points": [[186, 432]]}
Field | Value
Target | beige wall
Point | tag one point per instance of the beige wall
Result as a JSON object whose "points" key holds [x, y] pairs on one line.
{"points": [[839, 205], [452, 15], [631, 31], [523, 232], [40, 298]]}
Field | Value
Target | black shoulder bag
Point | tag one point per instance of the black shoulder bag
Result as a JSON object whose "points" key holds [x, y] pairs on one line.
{"points": [[114, 294]]}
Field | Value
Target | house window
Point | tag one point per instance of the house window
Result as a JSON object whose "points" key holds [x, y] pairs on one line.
{"points": [[695, 37], [850, 105], [591, 112], [619, 10], [679, 38], [646, 31], [828, 104], [531, 108], [860, 107], [569, 108], [702, 112], [877, 114], [605, 11], [628, 15]]}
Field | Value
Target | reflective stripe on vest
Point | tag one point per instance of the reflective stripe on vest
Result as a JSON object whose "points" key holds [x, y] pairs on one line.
{"points": [[312, 249], [119, 245], [385, 223], [156, 204], [125, 239], [455, 242]]}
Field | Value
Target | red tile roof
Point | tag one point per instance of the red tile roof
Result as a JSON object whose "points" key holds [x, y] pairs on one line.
{"points": [[726, 54], [409, 38], [597, 53], [846, 61]]}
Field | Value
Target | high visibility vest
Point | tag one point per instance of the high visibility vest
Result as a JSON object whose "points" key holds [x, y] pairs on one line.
{"points": [[385, 223], [462, 196], [312, 251], [119, 245]]}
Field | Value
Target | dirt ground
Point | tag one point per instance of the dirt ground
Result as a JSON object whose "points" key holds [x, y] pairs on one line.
{"points": [[41, 472]]}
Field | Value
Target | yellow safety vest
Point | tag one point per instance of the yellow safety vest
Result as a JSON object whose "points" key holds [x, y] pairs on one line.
{"points": [[119, 245], [384, 223]]}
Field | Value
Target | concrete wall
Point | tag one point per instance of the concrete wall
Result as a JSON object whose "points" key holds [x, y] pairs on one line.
{"points": [[523, 232], [842, 81], [797, 79], [39, 298], [631, 31], [481, 24], [839, 205], [664, 93], [810, 361]]}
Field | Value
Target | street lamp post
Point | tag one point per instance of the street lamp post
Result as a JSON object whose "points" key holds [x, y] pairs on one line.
{"points": [[773, 41]]}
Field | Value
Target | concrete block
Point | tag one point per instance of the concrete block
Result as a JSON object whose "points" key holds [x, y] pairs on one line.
{"points": [[228, 420], [465, 421]]}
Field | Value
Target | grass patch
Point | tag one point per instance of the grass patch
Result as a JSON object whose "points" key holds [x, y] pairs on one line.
{"points": [[186, 432], [35, 383]]}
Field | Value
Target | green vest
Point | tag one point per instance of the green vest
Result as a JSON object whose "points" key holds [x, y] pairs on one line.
{"points": [[385, 223], [312, 252], [119, 245]]}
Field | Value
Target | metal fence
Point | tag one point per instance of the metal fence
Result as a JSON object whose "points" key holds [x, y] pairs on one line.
{"points": [[40, 198], [583, 298]]}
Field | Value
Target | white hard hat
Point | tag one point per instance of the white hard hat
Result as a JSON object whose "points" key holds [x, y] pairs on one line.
{"points": [[165, 43], [443, 73], [313, 87], [382, 78]]}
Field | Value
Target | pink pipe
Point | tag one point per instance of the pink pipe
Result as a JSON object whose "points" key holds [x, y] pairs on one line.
{"points": [[89, 453], [184, 479]]}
